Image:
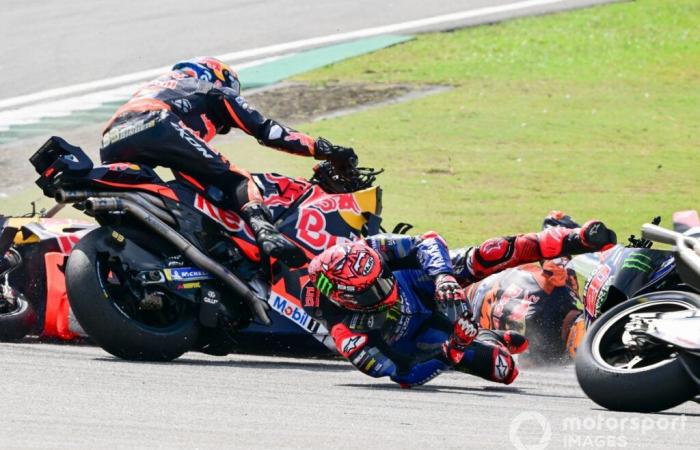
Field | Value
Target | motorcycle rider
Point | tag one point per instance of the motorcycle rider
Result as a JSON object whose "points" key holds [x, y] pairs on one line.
{"points": [[394, 306], [538, 300], [170, 120]]}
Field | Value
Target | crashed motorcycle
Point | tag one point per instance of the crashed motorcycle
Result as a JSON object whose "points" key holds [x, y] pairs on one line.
{"points": [[17, 316], [171, 268], [644, 353], [33, 249]]}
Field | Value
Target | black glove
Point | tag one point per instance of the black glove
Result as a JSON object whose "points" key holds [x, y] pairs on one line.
{"points": [[342, 158]]}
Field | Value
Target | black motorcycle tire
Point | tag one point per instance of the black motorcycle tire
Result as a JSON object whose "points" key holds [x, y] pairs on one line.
{"points": [[16, 324], [106, 324], [660, 387]]}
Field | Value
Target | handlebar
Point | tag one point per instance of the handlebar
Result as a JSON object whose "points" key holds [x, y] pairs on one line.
{"points": [[659, 234], [339, 180], [687, 247]]}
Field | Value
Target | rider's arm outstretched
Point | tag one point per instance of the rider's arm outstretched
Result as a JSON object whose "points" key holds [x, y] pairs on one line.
{"points": [[369, 354], [238, 113]]}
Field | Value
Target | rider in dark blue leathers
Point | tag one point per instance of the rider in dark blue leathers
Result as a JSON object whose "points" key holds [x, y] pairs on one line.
{"points": [[394, 307]]}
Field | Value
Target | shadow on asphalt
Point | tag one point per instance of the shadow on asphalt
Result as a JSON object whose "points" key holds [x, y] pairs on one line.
{"points": [[487, 391], [319, 366], [661, 413]]}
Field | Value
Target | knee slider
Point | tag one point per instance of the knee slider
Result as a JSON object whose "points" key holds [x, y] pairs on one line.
{"points": [[495, 251]]}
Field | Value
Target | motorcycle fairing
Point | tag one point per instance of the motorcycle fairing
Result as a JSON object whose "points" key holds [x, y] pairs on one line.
{"points": [[679, 328], [626, 272]]}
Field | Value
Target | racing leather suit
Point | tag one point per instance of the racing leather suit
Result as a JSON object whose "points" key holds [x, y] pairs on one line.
{"points": [[406, 341], [409, 342], [170, 121]]}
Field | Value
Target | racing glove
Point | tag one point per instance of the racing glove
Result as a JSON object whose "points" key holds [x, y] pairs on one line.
{"points": [[464, 333], [447, 289], [343, 158]]}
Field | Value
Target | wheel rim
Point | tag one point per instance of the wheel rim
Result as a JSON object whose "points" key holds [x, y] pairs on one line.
{"points": [[9, 300], [610, 352], [125, 295]]}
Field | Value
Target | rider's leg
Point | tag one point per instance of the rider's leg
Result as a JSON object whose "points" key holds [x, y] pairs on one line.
{"points": [[490, 356], [257, 216], [497, 254], [170, 143]]}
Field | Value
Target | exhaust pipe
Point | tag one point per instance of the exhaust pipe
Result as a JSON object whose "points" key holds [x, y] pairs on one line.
{"points": [[62, 196], [256, 305], [148, 202]]}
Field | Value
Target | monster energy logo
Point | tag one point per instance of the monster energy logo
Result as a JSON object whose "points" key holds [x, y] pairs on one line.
{"points": [[324, 284], [637, 261]]}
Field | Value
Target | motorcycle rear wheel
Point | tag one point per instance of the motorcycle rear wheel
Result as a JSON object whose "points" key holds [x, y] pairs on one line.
{"points": [[109, 313], [611, 376]]}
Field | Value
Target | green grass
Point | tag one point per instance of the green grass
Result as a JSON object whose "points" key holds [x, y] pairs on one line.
{"points": [[596, 112]]}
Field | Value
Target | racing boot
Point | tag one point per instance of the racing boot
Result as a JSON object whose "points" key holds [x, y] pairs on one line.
{"points": [[593, 236], [490, 356], [559, 219], [270, 240]]}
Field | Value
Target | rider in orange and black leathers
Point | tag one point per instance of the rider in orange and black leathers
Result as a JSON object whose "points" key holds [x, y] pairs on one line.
{"points": [[170, 121], [538, 300]]}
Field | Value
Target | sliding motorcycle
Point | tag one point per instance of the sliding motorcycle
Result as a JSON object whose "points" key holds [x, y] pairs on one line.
{"points": [[171, 268], [644, 354], [33, 249]]}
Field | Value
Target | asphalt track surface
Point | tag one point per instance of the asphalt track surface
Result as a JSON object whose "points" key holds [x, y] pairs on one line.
{"points": [[53, 43], [80, 397]]}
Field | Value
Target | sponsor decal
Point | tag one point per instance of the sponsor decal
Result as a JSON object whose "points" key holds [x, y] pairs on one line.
{"points": [[124, 131], [311, 226], [364, 264], [324, 284], [596, 288], [211, 298], [186, 274], [311, 297], [637, 261], [500, 367], [668, 265], [192, 140], [183, 105], [294, 313], [338, 202], [350, 344], [228, 219]]}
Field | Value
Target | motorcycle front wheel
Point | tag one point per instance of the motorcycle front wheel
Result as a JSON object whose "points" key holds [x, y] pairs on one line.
{"points": [[616, 378]]}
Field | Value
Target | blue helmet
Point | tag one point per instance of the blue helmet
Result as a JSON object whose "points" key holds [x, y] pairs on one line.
{"points": [[210, 69]]}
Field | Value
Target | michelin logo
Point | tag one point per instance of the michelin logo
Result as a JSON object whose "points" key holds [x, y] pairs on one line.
{"points": [[187, 274]]}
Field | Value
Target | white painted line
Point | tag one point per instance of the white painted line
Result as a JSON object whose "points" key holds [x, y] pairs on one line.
{"points": [[66, 106], [279, 48]]}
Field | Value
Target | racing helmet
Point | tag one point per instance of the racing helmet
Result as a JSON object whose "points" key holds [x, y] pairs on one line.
{"points": [[210, 69], [353, 277]]}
